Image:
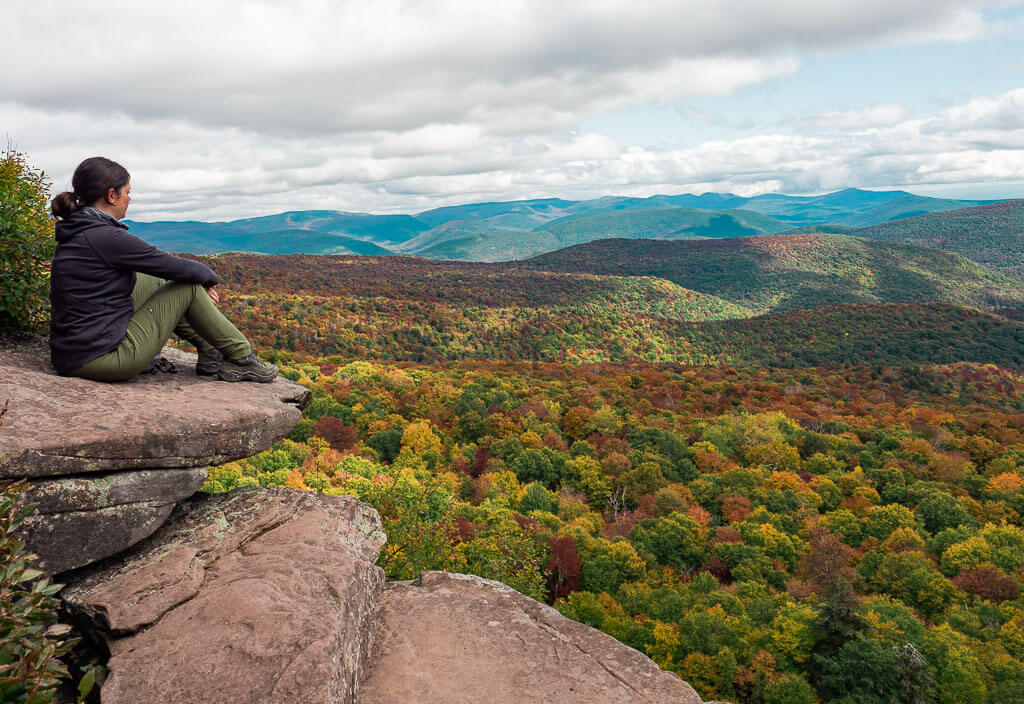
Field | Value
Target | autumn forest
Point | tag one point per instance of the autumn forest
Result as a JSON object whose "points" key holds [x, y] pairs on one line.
{"points": [[789, 468]]}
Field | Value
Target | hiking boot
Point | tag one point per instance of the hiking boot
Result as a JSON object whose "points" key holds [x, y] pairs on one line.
{"points": [[249, 369], [209, 362]]}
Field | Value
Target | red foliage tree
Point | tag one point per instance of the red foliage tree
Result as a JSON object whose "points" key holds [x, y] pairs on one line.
{"points": [[735, 508], [466, 529], [988, 583], [563, 567], [828, 561], [339, 436], [717, 569], [480, 458]]}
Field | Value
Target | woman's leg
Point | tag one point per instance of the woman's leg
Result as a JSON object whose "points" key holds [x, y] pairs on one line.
{"points": [[153, 323], [146, 286]]}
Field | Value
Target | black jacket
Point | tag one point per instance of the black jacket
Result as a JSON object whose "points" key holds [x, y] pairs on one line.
{"points": [[91, 280]]}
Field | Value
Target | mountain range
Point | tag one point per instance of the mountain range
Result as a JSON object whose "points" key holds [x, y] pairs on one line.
{"points": [[616, 279], [520, 229], [807, 299]]}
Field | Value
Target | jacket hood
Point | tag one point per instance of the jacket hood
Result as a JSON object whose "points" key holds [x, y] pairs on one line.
{"points": [[84, 219]]}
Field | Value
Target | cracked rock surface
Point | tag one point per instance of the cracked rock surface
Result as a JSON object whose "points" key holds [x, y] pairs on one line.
{"points": [[258, 595], [107, 462], [272, 595], [463, 639]]}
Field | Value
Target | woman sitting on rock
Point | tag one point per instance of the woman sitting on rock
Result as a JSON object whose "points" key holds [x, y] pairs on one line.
{"points": [[116, 299]]}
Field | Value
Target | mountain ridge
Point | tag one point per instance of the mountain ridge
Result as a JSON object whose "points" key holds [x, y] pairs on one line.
{"points": [[782, 272], [466, 232]]}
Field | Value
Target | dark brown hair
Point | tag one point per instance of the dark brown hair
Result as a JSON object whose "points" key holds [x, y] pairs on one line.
{"points": [[93, 179]]}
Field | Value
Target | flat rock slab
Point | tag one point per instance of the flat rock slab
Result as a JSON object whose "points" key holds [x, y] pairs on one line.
{"points": [[258, 595], [64, 541], [56, 425], [94, 491], [87, 518], [463, 639]]}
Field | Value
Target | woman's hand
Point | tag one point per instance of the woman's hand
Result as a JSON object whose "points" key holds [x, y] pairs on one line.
{"points": [[211, 291]]}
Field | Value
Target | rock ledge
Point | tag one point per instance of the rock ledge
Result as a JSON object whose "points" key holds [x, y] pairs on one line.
{"points": [[258, 595], [107, 462]]}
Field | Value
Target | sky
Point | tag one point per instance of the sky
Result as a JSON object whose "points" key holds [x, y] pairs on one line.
{"points": [[223, 110]]}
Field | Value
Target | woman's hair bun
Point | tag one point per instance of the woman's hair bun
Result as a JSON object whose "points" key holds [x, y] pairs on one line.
{"points": [[65, 203]]}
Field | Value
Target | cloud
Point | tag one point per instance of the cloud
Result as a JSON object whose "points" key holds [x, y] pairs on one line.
{"points": [[225, 110], [1000, 113], [881, 115], [179, 170], [316, 68]]}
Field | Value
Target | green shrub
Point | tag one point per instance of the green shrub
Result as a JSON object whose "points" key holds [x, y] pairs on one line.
{"points": [[31, 639], [26, 243]]}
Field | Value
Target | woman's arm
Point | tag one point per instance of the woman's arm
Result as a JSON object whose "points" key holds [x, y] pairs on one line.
{"points": [[121, 250]]}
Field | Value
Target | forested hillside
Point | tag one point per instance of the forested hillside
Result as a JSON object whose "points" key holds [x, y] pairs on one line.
{"points": [[788, 468], [851, 207], [797, 271], [519, 229], [418, 310], [662, 223], [991, 234], [474, 242]]}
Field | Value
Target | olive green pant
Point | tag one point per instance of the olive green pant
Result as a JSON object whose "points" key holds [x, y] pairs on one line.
{"points": [[163, 307]]}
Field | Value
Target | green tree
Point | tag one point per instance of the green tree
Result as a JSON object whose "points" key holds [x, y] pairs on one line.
{"points": [[789, 689], [960, 676], [939, 511], [419, 521], [838, 623], [645, 479], [863, 671], [26, 243], [675, 540], [537, 498], [387, 443], [508, 553], [883, 520], [534, 466]]}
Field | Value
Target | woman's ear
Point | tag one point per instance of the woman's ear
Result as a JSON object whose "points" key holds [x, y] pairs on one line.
{"points": [[111, 195]]}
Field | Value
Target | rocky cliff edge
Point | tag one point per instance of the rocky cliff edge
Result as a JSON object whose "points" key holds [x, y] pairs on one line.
{"points": [[106, 462]]}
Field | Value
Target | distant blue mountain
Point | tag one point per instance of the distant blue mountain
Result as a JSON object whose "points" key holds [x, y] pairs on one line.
{"points": [[519, 229], [382, 229], [213, 237], [522, 214]]}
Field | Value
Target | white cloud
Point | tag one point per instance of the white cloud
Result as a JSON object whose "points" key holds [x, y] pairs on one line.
{"points": [[328, 67], [881, 115], [228, 109], [1004, 112], [224, 173]]}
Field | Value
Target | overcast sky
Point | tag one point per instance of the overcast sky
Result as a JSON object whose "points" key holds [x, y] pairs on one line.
{"points": [[223, 110]]}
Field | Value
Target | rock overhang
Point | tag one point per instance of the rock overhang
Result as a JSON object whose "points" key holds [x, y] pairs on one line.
{"points": [[60, 426], [106, 463]]}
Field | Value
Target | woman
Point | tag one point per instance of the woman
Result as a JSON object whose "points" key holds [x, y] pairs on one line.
{"points": [[116, 299]]}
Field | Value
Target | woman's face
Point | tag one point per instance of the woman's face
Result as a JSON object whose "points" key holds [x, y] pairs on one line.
{"points": [[119, 200]]}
